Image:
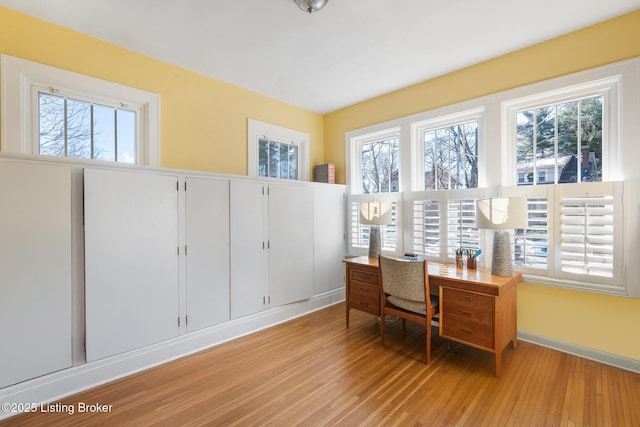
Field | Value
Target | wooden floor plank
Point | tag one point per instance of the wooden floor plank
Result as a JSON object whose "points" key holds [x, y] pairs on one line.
{"points": [[313, 371]]}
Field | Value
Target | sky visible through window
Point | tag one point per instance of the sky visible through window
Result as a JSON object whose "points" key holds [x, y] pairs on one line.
{"points": [[75, 128]]}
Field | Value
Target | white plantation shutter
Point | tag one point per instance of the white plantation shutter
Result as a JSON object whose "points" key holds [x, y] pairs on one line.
{"points": [[442, 221], [425, 218], [587, 235], [359, 233], [462, 231], [590, 221], [532, 247]]}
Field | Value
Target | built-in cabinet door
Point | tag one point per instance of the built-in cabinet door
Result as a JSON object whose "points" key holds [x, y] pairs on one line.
{"points": [[207, 252], [35, 270], [329, 238], [248, 248], [131, 260], [290, 243]]}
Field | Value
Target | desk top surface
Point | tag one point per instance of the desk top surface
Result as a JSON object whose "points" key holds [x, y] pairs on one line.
{"points": [[448, 274]]}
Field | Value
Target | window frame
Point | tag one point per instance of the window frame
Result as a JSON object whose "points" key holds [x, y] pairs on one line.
{"points": [[19, 76], [257, 130], [607, 87], [417, 146], [354, 143]]}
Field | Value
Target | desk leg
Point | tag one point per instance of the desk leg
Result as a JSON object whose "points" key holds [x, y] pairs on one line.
{"points": [[347, 306]]}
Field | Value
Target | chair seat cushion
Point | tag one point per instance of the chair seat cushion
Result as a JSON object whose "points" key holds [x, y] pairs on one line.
{"points": [[415, 306]]}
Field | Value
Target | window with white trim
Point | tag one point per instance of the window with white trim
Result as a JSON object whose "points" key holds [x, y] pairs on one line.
{"points": [[449, 153], [379, 163], [561, 142], [76, 126], [565, 139], [54, 112], [375, 177], [277, 152], [278, 159]]}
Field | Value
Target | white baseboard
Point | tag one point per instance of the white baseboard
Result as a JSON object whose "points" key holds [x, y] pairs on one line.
{"points": [[584, 352], [57, 385]]}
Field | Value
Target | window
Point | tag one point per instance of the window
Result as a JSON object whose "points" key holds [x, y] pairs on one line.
{"points": [[375, 177], [277, 152], [451, 156], [54, 112], [566, 139], [560, 143], [277, 159], [73, 127], [379, 164]]}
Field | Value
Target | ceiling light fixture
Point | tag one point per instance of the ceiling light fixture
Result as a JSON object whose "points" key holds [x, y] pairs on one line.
{"points": [[311, 6]]}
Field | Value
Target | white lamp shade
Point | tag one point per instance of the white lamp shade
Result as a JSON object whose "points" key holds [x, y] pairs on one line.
{"points": [[502, 213], [375, 213]]}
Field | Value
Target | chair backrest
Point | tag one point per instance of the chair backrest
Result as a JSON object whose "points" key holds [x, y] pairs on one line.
{"points": [[403, 278]]}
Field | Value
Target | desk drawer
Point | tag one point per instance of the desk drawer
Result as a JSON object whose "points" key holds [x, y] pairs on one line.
{"points": [[367, 303], [462, 299], [364, 276], [468, 332], [364, 289]]}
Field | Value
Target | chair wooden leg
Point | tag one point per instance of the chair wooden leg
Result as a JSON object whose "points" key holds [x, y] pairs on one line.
{"points": [[404, 326], [428, 340]]}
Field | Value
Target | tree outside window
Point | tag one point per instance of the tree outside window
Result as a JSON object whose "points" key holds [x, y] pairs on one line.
{"points": [[560, 142], [380, 161], [451, 157], [277, 159], [69, 127]]}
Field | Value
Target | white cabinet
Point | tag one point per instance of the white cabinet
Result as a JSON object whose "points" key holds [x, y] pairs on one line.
{"points": [[290, 243], [35, 270], [271, 245], [248, 245], [329, 238], [206, 251], [131, 260]]}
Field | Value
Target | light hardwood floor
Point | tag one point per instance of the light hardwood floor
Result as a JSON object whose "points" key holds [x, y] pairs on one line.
{"points": [[313, 371]]}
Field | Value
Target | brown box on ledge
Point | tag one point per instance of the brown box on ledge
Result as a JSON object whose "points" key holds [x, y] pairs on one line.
{"points": [[325, 173]]}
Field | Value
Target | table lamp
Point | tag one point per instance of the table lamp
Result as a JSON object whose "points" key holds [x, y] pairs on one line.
{"points": [[375, 214], [501, 214]]}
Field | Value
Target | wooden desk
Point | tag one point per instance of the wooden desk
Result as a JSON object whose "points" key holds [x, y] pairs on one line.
{"points": [[476, 307]]}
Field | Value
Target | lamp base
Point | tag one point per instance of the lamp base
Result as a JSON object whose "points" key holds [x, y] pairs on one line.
{"points": [[501, 264], [374, 241]]}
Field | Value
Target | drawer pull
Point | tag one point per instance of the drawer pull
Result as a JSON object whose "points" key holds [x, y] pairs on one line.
{"points": [[365, 304], [364, 289], [464, 313], [366, 277], [465, 298], [465, 331]]}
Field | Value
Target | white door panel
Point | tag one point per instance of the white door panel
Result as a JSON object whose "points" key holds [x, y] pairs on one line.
{"points": [[131, 260], [35, 270]]}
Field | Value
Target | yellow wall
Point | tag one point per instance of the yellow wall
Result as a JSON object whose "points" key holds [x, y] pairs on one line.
{"points": [[203, 121], [604, 323]]}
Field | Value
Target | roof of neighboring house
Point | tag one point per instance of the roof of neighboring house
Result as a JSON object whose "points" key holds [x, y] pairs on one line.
{"points": [[550, 162]]}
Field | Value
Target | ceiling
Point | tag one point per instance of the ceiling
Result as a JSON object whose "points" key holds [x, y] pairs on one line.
{"points": [[350, 51]]}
